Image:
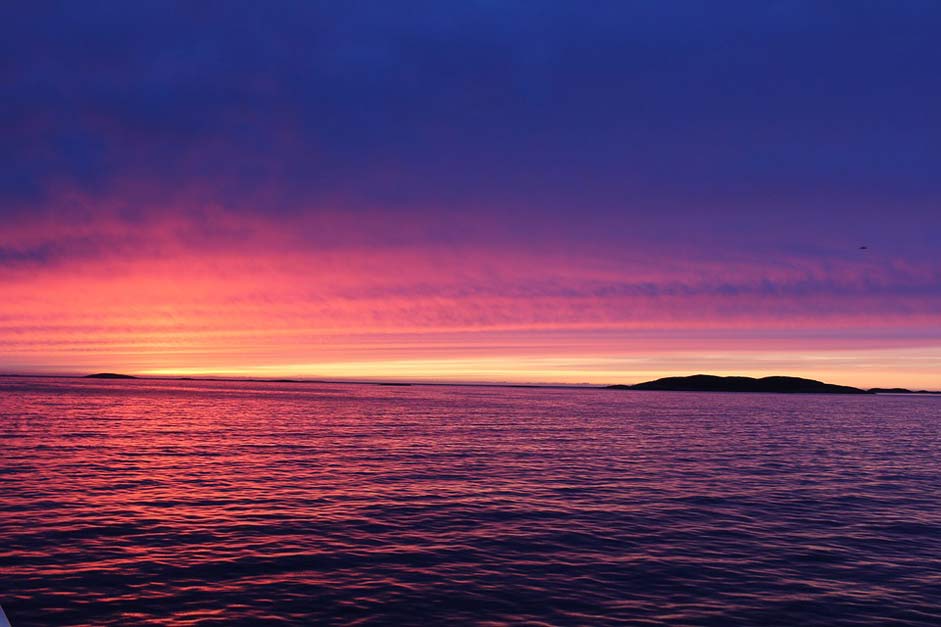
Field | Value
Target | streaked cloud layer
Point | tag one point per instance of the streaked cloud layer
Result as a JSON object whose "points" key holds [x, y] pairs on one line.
{"points": [[476, 191]]}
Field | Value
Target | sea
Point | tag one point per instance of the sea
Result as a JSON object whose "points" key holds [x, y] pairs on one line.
{"points": [[185, 503]]}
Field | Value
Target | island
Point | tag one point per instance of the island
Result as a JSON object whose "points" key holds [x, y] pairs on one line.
{"points": [[109, 375], [713, 383], [900, 391]]}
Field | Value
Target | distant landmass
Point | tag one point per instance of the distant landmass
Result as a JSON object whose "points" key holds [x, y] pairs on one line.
{"points": [[109, 375], [693, 383], [899, 391], [712, 383]]}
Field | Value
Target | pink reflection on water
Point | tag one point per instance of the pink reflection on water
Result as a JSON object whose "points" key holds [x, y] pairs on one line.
{"points": [[200, 503]]}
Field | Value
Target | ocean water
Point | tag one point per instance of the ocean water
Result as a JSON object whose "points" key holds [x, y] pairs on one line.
{"points": [[225, 503]]}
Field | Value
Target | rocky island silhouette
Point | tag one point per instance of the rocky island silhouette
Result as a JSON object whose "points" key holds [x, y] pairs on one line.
{"points": [[713, 383]]}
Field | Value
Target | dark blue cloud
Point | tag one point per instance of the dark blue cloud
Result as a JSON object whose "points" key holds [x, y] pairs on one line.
{"points": [[704, 116]]}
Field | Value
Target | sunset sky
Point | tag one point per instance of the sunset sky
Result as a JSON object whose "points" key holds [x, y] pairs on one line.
{"points": [[473, 191]]}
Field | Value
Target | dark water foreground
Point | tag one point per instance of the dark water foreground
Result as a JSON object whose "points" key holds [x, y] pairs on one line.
{"points": [[198, 503]]}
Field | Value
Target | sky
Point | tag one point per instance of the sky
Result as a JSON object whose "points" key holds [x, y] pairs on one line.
{"points": [[574, 192]]}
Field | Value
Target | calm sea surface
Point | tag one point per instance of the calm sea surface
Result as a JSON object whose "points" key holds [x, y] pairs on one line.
{"points": [[196, 503]]}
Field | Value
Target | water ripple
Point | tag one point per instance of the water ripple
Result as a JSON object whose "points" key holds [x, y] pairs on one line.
{"points": [[197, 504]]}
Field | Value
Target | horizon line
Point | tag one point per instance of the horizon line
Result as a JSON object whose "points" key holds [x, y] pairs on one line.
{"points": [[393, 382]]}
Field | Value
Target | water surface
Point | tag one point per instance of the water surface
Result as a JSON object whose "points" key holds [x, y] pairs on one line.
{"points": [[226, 503]]}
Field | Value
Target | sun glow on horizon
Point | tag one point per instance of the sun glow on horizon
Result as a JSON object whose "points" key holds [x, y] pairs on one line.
{"points": [[858, 368], [513, 316]]}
